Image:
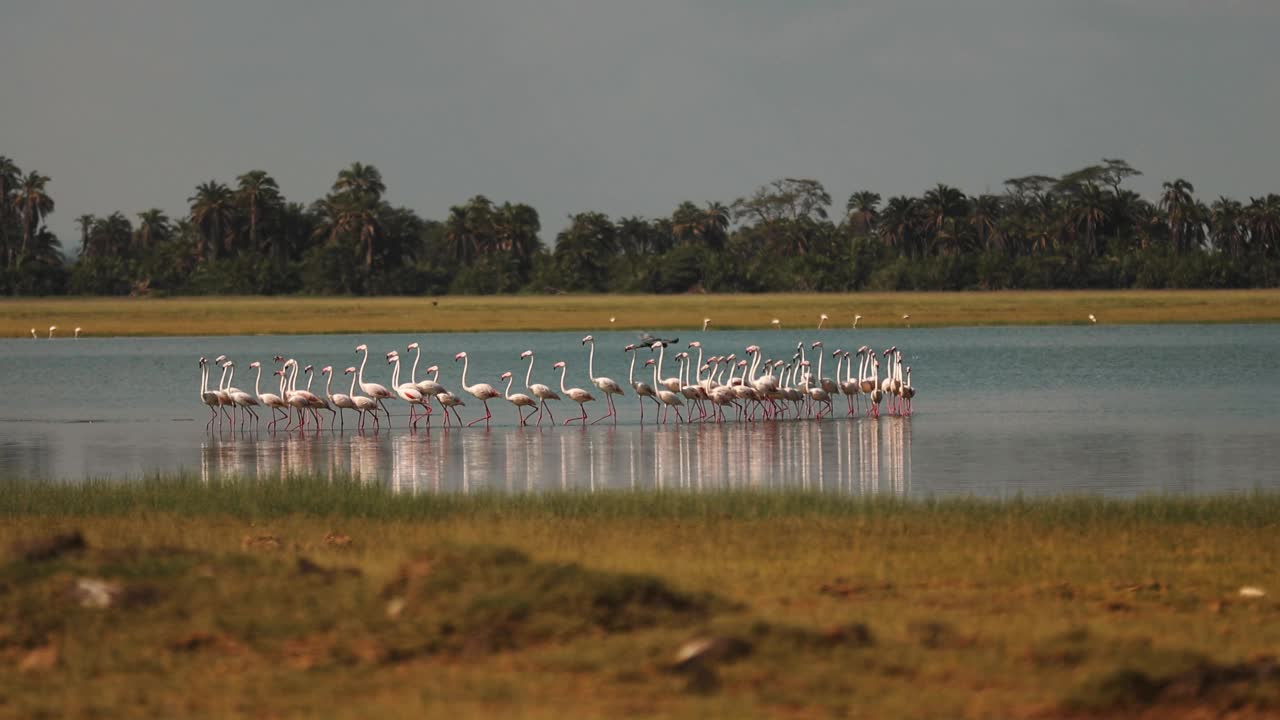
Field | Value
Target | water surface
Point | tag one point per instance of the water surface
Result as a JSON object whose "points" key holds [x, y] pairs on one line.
{"points": [[1119, 411]]}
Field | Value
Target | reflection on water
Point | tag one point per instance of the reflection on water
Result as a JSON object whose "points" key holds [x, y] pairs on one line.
{"points": [[859, 457]]}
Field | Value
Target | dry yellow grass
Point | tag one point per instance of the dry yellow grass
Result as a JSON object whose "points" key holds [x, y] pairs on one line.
{"points": [[289, 315], [1013, 609]]}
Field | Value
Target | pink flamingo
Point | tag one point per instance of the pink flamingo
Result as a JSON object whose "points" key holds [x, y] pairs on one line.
{"points": [[483, 392], [643, 389], [341, 401], [373, 390], [271, 400], [362, 404], [668, 398], [608, 386], [408, 392], [540, 391], [520, 400], [207, 396], [578, 395], [428, 388]]}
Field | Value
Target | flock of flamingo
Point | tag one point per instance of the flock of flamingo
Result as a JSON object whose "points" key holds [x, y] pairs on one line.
{"points": [[752, 387]]}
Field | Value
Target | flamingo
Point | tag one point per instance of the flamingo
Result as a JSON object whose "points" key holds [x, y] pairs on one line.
{"points": [[224, 395], [317, 402], [877, 393], [776, 323], [665, 396], [341, 401], [408, 392], [1093, 319], [671, 384], [240, 398], [270, 400], [373, 390], [706, 323], [831, 386], [540, 391], [363, 405], [520, 400], [578, 395], [207, 396], [428, 388], [608, 386], [77, 333], [908, 391], [819, 393], [856, 318], [34, 336], [295, 398], [643, 390], [483, 392], [51, 329], [848, 387], [821, 320], [448, 400]]}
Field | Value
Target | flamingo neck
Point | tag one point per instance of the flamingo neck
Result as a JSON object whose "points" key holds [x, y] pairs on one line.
{"points": [[352, 391], [223, 380], [283, 392], [293, 379], [257, 382], [465, 362], [395, 374], [591, 362], [507, 393], [310, 377], [328, 383], [631, 372], [528, 374], [820, 367], [755, 360], [413, 374], [657, 386], [204, 380], [363, 360], [657, 369], [563, 369]]}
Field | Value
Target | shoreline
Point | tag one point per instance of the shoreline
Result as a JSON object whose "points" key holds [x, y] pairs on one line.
{"points": [[296, 315]]}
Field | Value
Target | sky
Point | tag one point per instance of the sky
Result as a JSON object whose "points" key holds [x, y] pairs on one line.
{"points": [[629, 108]]}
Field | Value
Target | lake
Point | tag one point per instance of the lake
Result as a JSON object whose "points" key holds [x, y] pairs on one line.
{"points": [[1109, 410]]}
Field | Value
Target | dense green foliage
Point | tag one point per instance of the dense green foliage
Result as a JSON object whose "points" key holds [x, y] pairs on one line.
{"points": [[1081, 230]]}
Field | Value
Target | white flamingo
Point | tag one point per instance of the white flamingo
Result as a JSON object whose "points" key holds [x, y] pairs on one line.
{"points": [[540, 391], [207, 396], [428, 387], [643, 389], [520, 400], [270, 400], [373, 390], [606, 385], [671, 384], [362, 404], [51, 329], [341, 401], [77, 333], [408, 392], [822, 319], [706, 323], [578, 395], [317, 402], [240, 398], [668, 398], [483, 392]]}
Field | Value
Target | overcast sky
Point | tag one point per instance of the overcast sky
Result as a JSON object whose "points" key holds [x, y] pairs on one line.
{"points": [[630, 107]]}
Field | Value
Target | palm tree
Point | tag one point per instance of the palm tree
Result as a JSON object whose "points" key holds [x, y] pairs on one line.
{"points": [[1180, 207], [153, 228], [862, 212], [1227, 222], [360, 180], [458, 236], [1089, 208], [1264, 224], [714, 226], [212, 212], [86, 223], [33, 203], [898, 223], [259, 192], [9, 176], [940, 207], [984, 218]]}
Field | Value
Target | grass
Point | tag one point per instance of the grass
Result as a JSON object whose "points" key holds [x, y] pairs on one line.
{"points": [[299, 597], [289, 315]]}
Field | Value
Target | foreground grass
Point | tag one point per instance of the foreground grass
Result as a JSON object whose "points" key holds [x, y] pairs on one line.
{"points": [[289, 315], [301, 598]]}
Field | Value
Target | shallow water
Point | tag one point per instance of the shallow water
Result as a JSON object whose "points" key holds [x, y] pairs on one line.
{"points": [[1120, 411]]}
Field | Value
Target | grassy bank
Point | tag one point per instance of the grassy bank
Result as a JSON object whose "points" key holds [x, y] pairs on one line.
{"points": [[299, 598], [262, 315]]}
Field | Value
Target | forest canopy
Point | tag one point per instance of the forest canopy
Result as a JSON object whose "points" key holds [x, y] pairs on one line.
{"points": [[1083, 229]]}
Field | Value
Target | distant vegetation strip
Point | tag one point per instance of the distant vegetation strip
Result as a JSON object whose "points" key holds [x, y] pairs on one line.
{"points": [[1082, 229], [295, 315], [349, 497]]}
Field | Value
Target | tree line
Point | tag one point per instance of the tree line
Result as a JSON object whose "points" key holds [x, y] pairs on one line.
{"points": [[1083, 229]]}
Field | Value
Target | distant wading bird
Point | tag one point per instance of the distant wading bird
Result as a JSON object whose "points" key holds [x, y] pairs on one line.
{"points": [[608, 386], [483, 392], [540, 391], [578, 395]]}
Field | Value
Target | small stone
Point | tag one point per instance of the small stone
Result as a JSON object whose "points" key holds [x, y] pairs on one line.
{"points": [[395, 606], [95, 592], [40, 659], [336, 539], [1249, 591], [711, 650], [261, 542]]}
